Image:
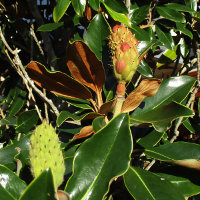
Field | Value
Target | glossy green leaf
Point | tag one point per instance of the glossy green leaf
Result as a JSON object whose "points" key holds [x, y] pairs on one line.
{"points": [[101, 158], [98, 123], [162, 117], [8, 153], [95, 4], [179, 7], [60, 9], [144, 69], [8, 121], [143, 184], [183, 47], [116, 5], [165, 38], [184, 185], [5, 195], [120, 17], [170, 14], [188, 125], [11, 182], [174, 151], [172, 89], [140, 33], [182, 28], [138, 13], [151, 139], [18, 102], [40, 188], [97, 34], [26, 121], [50, 26], [79, 6], [168, 56], [144, 47], [64, 115]]}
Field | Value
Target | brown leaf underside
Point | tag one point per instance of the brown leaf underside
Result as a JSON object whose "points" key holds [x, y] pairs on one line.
{"points": [[147, 88], [57, 82], [84, 66], [85, 132]]}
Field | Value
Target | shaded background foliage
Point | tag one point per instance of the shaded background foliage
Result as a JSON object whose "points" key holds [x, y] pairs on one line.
{"points": [[169, 30]]}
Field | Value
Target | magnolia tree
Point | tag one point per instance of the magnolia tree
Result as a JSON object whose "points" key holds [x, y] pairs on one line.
{"points": [[99, 100]]}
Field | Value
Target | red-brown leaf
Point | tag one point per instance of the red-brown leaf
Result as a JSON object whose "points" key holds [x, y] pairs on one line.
{"points": [[147, 88], [85, 67], [57, 82], [107, 107], [85, 132]]}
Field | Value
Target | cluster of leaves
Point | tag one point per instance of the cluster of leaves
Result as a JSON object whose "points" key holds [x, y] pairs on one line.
{"points": [[115, 154]]}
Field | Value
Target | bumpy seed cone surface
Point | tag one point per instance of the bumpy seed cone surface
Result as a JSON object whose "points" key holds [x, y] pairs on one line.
{"points": [[45, 152], [124, 50]]}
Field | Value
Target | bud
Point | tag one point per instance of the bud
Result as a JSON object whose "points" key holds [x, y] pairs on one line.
{"points": [[125, 55], [45, 152]]}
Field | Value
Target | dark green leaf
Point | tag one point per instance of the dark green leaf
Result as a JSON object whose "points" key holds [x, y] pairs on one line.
{"points": [[95, 4], [18, 102], [50, 26], [179, 7], [165, 38], [97, 34], [101, 158], [140, 33], [171, 14], [185, 186], [8, 121], [151, 139], [79, 6], [188, 125], [143, 184], [138, 14], [8, 153], [60, 9], [182, 28], [161, 117], [175, 151], [98, 123], [120, 17], [116, 5], [5, 195], [64, 115], [143, 47], [11, 182], [27, 120], [144, 69], [40, 188], [183, 47]]}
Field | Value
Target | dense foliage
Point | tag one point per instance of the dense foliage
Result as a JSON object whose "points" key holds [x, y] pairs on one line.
{"points": [[121, 137]]}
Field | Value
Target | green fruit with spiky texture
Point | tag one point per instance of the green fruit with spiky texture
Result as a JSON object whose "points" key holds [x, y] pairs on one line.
{"points": [[125, 54], [45, 152]]}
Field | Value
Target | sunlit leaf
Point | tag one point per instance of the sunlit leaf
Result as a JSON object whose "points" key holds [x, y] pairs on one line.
{"points": [[85, 67], [57, 82]]}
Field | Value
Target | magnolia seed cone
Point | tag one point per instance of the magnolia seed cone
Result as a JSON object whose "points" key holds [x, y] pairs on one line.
{"points": [[45, 152], [123, 45]]}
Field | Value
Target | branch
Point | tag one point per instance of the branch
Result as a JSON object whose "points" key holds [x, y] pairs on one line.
{"points": [[17, 64]]}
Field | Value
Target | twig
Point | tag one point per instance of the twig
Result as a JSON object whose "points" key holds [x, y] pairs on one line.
{"points": [[128, 5], [17, 64]]}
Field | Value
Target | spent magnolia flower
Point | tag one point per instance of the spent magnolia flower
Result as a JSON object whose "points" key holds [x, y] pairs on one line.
{"points": [[125, 56]]}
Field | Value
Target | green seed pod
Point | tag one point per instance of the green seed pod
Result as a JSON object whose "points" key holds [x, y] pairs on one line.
{"points": [[45, 152], [123, 46]]}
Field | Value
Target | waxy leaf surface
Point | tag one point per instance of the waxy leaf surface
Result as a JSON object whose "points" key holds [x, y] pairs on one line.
{"points": [[57, 82], [40, 188], [11, 182], [143, 184], [100, 159], [85, 66]]}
